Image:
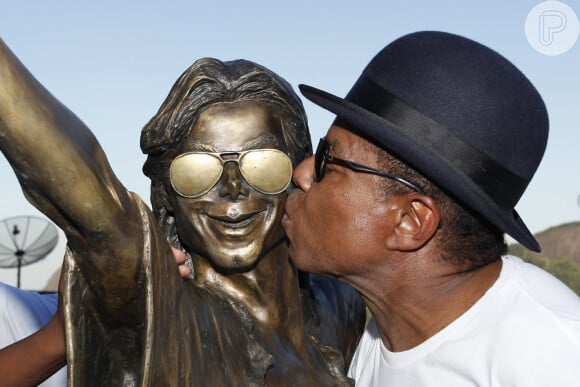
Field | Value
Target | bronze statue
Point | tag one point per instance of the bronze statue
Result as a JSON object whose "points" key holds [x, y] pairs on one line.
{"points": [[220, 155]]}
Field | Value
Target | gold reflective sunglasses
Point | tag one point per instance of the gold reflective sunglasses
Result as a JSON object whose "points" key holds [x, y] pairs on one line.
{"points": [[194, 174]]}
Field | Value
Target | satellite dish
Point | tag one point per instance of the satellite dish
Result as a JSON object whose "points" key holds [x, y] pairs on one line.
{"points": [[25, 240]]}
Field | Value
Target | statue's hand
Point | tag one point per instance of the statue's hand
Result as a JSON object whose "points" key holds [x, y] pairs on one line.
{"points": [[180, 256]]}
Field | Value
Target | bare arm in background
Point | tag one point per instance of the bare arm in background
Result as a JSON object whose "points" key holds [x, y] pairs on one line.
{"points": [[30, 361], [34, 359]]}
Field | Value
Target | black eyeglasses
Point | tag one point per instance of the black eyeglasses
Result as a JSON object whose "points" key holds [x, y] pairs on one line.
{"points": [[321, 158]]}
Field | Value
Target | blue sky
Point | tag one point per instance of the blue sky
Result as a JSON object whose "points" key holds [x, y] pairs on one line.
{"points": [[113, 63]]}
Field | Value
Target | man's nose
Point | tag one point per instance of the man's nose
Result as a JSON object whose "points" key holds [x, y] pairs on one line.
{"points": [[233, 183], [303, 175]]}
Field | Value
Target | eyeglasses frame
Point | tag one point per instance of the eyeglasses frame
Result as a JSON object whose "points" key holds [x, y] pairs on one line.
{"points": [[224, 161], [321, 158]]}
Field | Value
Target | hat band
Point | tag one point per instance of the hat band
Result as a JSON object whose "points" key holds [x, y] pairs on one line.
{"points": [[482, 170]]}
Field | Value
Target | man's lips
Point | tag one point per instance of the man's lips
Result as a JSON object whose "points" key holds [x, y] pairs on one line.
{"points": [[291, 203], [289, 206]]}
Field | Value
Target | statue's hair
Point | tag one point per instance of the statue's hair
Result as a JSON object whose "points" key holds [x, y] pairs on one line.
{"points": [[207, 82]]}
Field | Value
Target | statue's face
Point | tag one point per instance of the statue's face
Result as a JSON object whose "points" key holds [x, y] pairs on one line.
{"points": [[237, 219]]}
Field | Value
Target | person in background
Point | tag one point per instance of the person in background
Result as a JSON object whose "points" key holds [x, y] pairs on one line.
{"points": [[408, 198], [23, 313], [36, 355]]}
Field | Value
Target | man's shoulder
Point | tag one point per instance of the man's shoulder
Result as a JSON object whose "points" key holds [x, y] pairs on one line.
{"points": [[23, 312], [12, 298], [539, 328], [541, 289]]}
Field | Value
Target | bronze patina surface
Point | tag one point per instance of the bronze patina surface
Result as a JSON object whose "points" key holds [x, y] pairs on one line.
{"points": [[246, 316]]}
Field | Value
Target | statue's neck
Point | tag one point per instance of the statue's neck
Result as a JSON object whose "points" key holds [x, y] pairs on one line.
{"points": [[269, 291], [270, 294]]}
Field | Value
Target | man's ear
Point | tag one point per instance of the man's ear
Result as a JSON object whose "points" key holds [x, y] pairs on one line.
{"points": [[416, 219]]}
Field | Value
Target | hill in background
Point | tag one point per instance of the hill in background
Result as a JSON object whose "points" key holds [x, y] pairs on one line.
{"points": [[560, 253]]}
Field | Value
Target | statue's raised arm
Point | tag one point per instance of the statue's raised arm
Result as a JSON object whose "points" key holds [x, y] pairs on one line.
{"points": [[220, 155], [65, 174]]}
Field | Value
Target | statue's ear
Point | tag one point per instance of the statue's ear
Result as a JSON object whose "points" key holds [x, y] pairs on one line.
{"points": [[160, 199], [165, 199], [163, 205], [155, 168]]}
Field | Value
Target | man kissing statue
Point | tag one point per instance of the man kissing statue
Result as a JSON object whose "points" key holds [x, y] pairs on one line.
{"points": [[430, 150], [221, 151]]}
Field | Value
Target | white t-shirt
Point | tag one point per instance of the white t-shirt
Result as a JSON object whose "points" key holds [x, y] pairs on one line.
{"points": [[23, 313], [524, 332]]}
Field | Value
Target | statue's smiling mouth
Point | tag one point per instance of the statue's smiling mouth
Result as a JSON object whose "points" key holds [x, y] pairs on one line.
{"points": [[238, 221]]}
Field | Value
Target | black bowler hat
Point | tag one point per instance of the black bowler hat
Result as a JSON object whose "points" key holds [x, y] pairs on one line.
{"points": [[459, 113]]}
